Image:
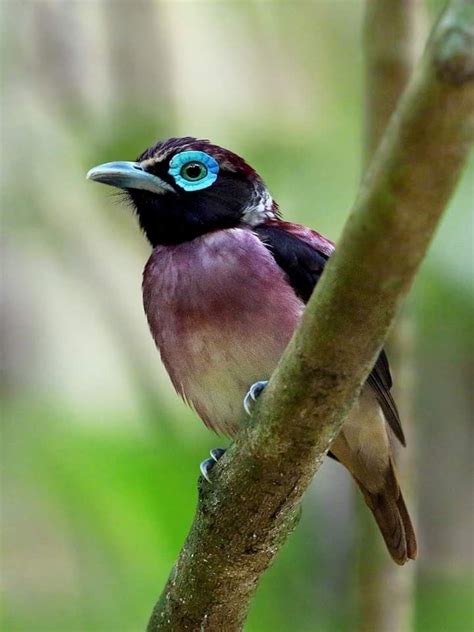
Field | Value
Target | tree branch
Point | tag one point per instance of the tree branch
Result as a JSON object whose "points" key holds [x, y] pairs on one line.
{"points": [[392, 47], [393, 36], [244, 517]]}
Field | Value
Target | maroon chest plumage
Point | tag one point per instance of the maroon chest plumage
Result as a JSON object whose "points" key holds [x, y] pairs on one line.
{"points": [[221, 313]]}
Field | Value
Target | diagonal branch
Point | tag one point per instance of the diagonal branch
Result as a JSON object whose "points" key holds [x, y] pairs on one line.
{"points": [[244, 517]]}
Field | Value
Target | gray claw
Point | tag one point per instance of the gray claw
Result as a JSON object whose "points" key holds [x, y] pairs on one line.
{"points": [[216, 453], [207, 465], [254, 391]]}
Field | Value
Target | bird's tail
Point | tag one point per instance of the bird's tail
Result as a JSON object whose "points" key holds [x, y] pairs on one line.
{"points": [[392, 517]]}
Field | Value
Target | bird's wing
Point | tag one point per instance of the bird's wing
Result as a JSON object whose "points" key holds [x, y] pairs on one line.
{"points": [[381, 382], [302, 254]]}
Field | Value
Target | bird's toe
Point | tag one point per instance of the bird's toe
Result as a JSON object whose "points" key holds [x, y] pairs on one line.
{"points": [[216, 453], [254, 391], [207, 465]]}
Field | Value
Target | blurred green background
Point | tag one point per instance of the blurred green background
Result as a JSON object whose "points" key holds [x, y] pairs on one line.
{"points": [[100, 458]]}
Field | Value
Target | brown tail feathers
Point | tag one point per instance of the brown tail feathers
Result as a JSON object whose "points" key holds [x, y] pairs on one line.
{"points": [[392, 517]]}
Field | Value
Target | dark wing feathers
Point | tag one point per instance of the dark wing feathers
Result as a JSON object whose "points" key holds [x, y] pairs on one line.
{"points": [[381, 382], [301, 262], [303, 265]]}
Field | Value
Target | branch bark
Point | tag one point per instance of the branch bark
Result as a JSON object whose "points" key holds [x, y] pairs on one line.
{"points": [[393, 32], [245, 516]]}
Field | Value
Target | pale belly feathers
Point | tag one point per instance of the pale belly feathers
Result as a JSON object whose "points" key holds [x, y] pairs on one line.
{"points": [[221, 312]]}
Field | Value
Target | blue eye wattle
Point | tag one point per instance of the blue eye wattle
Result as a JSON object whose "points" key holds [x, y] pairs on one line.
{"points": [[193, 170]]}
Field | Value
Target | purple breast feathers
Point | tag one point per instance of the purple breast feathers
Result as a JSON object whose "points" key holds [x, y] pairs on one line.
{"points": [[221, 313]]}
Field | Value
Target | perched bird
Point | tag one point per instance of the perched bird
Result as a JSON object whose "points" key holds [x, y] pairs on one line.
{"points": [[224, 289]]}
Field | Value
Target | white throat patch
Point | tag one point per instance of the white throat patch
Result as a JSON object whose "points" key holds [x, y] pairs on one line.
{"points": [[260, 209]]}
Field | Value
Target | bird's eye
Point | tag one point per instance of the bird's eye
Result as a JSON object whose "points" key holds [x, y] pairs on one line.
{"points": [[193, 170]]}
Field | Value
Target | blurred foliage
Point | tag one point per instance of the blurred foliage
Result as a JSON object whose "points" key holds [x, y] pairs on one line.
{"points": [[100, 458], [109, 513]]}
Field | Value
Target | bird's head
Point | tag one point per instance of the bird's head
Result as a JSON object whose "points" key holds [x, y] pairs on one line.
{"points": [[183, 187]]}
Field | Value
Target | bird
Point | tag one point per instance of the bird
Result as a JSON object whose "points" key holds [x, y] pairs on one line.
{"points": [[223, 291]]}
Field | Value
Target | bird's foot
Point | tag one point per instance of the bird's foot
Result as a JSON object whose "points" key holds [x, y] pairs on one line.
{"points": [[207, 465], [254, 391]]}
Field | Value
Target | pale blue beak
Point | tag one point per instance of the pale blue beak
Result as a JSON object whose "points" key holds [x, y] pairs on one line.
{"points": [[128, 175]]}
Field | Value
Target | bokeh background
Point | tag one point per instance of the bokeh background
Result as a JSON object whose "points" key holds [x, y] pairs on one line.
{"points": [[100, 458]]}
